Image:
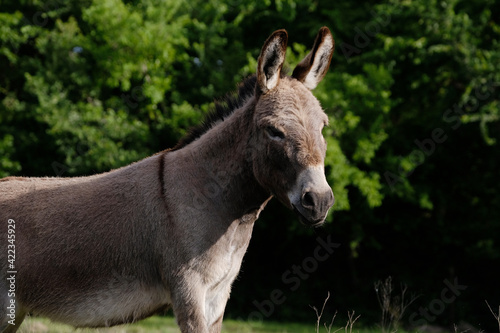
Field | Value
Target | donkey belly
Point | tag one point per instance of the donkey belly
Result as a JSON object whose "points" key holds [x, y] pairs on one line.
{"points": [[108, 307], [95, 292], [90, 295], [97, 301]]}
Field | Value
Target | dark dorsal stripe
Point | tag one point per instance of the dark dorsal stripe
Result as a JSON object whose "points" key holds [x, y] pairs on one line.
{"points": [[223, 108]]}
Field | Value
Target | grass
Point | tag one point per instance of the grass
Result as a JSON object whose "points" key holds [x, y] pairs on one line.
{"points": [[393, 309], [159, 324], [153, 325]]}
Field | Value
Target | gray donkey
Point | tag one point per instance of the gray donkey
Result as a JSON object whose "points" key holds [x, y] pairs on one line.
{"points": [[170, 230]]}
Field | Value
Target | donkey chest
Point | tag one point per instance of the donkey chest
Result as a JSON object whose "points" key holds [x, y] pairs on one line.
{"points": [[225, 257]]}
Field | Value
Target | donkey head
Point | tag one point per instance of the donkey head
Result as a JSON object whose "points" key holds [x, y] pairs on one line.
{"points": [[288, 122]]}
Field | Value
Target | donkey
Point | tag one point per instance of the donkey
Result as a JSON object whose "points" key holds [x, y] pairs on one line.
{"points": [[169, 231]]}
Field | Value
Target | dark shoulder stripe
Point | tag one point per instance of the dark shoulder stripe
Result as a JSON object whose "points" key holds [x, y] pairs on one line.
{"points": [[161, 171]]}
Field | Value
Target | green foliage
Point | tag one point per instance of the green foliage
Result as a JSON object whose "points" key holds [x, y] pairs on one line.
{"points": [[111, 82], [6, 148], [355, 97]]}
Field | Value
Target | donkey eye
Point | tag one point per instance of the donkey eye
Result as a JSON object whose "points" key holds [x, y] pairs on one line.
{"points": [[275, 133]]}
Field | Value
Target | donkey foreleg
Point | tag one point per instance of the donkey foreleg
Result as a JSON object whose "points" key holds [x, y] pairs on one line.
{"points": [[190, 318], [8, 327], [11, 320], [189, 310], [11, 324], [215, 306], [11, 312], [216, 327], [200, 310]]}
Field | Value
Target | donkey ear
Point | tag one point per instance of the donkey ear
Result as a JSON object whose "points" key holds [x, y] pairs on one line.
{"points": [[271, 61], [311, 70]]}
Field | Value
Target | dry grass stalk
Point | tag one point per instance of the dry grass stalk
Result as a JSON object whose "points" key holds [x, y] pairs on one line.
{"points": [[350, 321], [320, 314], [393, 308], [497, 316]]}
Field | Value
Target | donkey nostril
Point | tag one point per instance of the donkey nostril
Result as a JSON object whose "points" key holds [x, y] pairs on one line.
{"points": [[308, 200]]}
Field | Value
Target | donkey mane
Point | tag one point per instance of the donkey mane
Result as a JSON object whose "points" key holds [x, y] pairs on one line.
{"points": [[223, 108]]}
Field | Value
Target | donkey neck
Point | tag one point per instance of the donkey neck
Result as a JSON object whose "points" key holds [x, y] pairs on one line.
{"points": [[219, 165]]}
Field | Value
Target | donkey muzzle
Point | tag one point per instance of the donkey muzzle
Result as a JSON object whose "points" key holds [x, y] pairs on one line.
{"points": [[311, 197]]}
